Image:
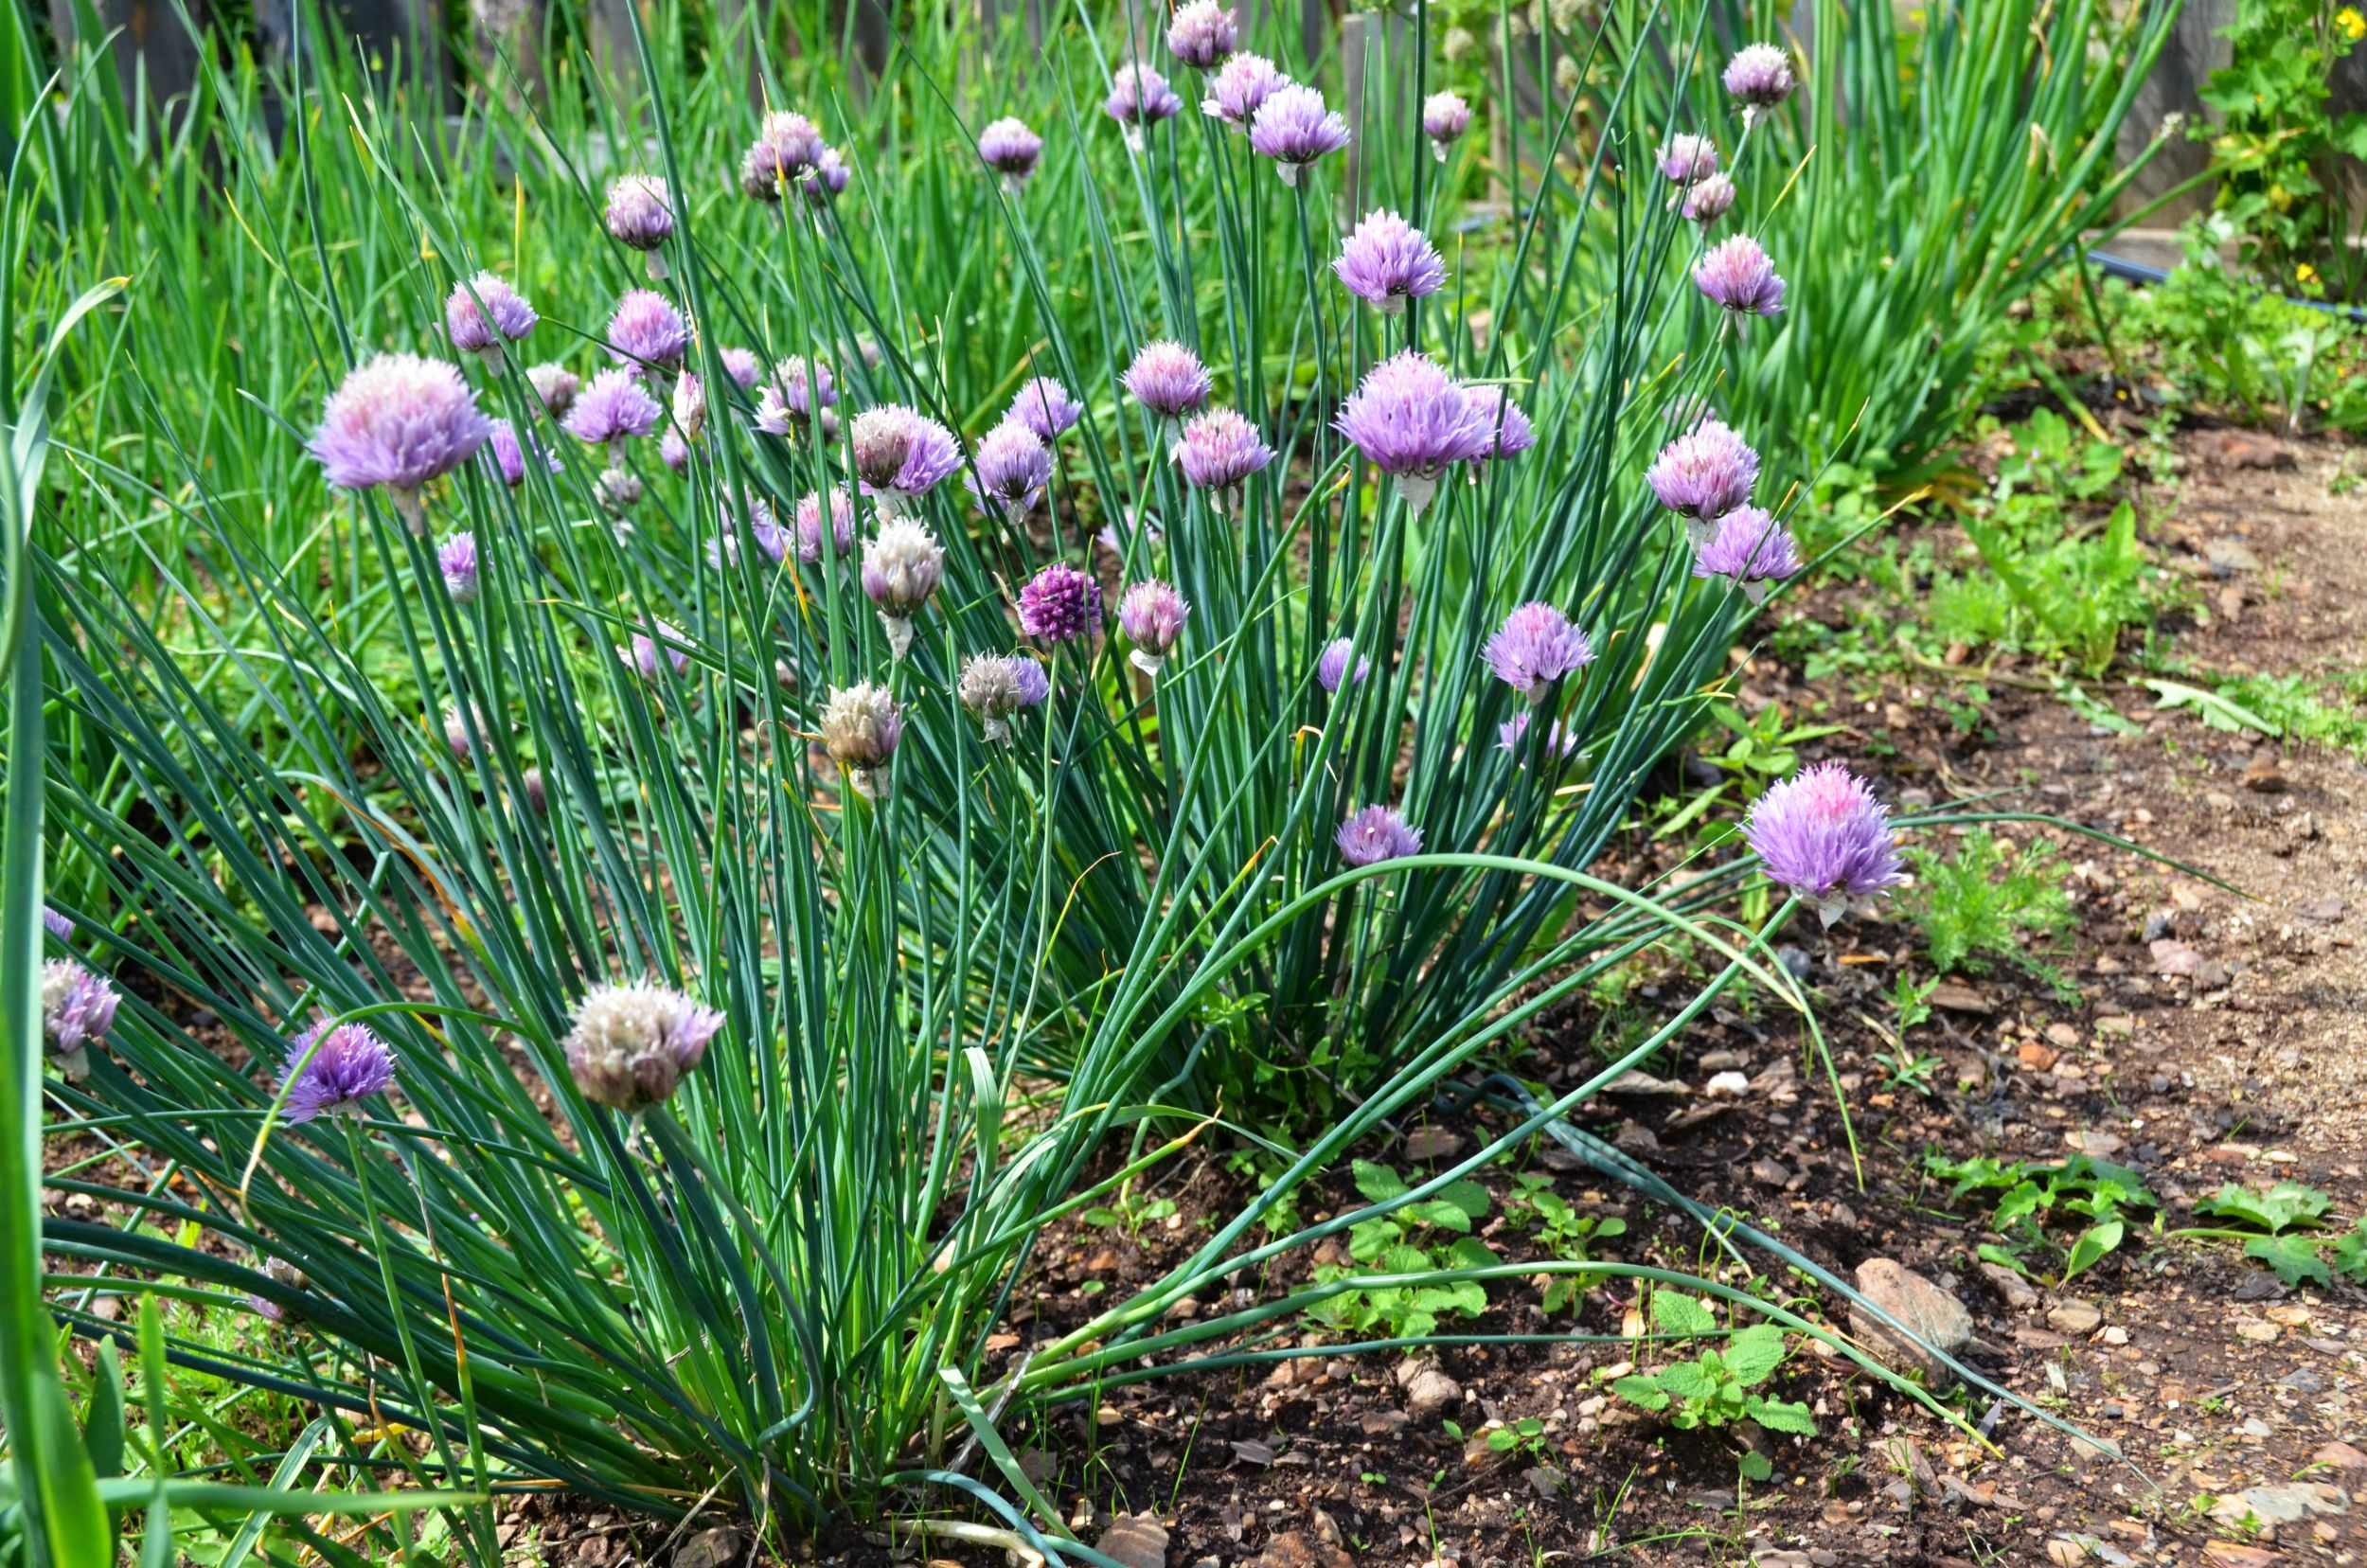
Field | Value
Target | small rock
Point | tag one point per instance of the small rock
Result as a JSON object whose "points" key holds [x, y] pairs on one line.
{"points": [[2327, 911], [2262, 775], [1300, 1551], [1933, 1316], [2064, 1036], [2038, 1058], [2256, 1333], [2228, 1553], [2286, 1505], [2096, 1144], [2074, 1317], [2303, 1380], [2016, 1290], [2254, 1427], [1635, 1139], [1959, 997], [2339, 1455], [1727, 1084], [1430, 1394], [1433, 1143], [1138, 1541], [711, 1548], [1768, 1173], [2172, 956]]}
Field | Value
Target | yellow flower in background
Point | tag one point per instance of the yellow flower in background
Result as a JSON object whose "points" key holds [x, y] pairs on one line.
{"points": [[2304, 273], [2354, 26]]}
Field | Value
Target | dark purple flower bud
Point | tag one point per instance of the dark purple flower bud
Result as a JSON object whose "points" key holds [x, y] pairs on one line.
{"points": [[1012, 466], [1140, 97], [504, 317], [1821, 834], [1376, 834], [1445, 118], [1687, 158], [1706, 201], [400, 421], [556, 386], [1512, 736], [631, 1046], [1737, 274], [332, 1068], [1704, 473], [1507, 429], [1152, 614], [456, 558], [648, 333], [743, 368], [1168, 379], [1294, 128], [1044, 406], [786, 151], [1219, 452], [1760, 77], [1536, 647], [78, 1008], [1059, 604], [1241, 87], [641, 216], [1203, 34], [1410, 420], [1387, 261], [612, 410], [1011, 150], [1751, 550], [808, 524], [1331, 669], [861, 726]]}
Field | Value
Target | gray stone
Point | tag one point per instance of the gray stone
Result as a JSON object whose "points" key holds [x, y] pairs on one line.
{"points": [[2074, 1317], [2006, 1283], [1933, 1317], [1429, 1392]]}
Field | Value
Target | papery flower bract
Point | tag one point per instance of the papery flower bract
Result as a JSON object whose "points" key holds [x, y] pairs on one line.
{"points": [[1410, 420], [785, 405], [399, 421], [1012, 467], [78, 1008], [1219, 449], [861, 726], [1294, 128], [1011, 150], [1152, 613], [1704, 473], [1059, 604], [333, 1068], [1512, 736], [809, 525], [1445, 118], [631, 1046], [648, 333], [1737, 274], [786, 148], [1759, 76], [1203, 34], [1376, 834], [1706, 201], [1751, 549], [1821, 834], [483, 314], [743, 368], [990, 688], [1506, 430], [1139, 96], [641, 216], [1685, 158], [1168, 379], [902, 566], [613, 409], [1044, 406], [456, 558], [1331, 669], [1240, 85], [691, 404], [1387, 261], [1537, 646], [555, 386], [641, 656]]}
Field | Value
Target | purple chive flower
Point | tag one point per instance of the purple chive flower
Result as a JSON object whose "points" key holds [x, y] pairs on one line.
{"points": [[286, 1274], [1011, 150], [1706, 201], [631, 1046], [1059, 604], [786, 151], [829, 179], [861, 725], [1241, 87], [1445, 118], [456, 731], [1012, 466], [1152, 614], [1387, 261], [1168, 379], [902, 566], [1704, 473], [1203, 34], [1044, 406], [641, 655], [1294, 129], [1376, 834], [900, 454], [1821, 834], [1737, 274], [672, 450], [786, 404], [641, 216], [456, 558], [762, 526], [57, 924], [1331, 669], [617, 488], [399, 421], [556, 386], [1218, 451], [78, 1008], [333, 1068], [612, 410], [538, 793], [994, 686], [1034, 681], [504, 317], [1687, 158], [648, 333], [1512, 736], [1410, 420], [743, 368], [1537, 646], [1140, 97], [1751, 549], [508, 452], [1507, 430], [809, 525], [691, 404], [1759, 77]]}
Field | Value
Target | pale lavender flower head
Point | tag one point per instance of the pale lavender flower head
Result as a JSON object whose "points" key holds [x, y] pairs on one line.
{"points": [[631, 1046], [1012, 466], [648, 333], [1034, 681], [1704, 473], [1241, 87], [617, 490], [1203, 34], [1537, 646], [57, 924], [504, 317], [762, 526], [829, 180], [78, 1008], [1332, 669], [1507, 430], [900, 454], [1376, 834], [456, 558], [1706, 201], [1445, 118], [990, 688], [743, 368], [786, 150], [902, 566], [1060, 604], [332, 1068], [809, 525], [1410, 420], [399, 421], [1821, 834], [508, 452], [641, 656], [1751, 549], [640, 214], [456, 731], [612, 410], [1294, 128], [861, 725], [1044, 406], [1011, 150], [1738, 275], [785, 406], [555, 386], [1152, 614], [1168, 379], [1512, 736], [1219, 449], [1759, 77], [1686, 158], [1140, 97], [1387, 261], [672, 450]]}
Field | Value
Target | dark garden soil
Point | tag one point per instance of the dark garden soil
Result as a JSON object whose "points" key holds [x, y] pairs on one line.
{"points": [[2213, 1037]]}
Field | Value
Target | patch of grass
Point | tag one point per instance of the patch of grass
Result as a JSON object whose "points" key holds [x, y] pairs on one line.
{"points": [[1989, 901], [2326, 710]]}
